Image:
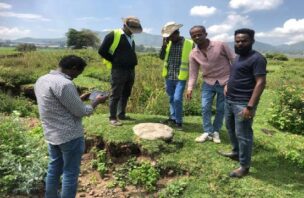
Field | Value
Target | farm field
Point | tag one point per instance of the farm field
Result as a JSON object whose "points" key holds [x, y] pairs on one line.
{"points": [[119, 164]]}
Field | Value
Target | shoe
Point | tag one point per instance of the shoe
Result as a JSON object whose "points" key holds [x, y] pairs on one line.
{"points": [[115, 123], [168, 121], [125, 118], [203, 137], [216, 137], [231, 155], [240, 172], [179, 126]]}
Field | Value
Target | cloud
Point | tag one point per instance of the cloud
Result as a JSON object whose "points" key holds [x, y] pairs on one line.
{"points": [[231, 22], [202, 11], [8, 33], [292, 31], [24, 16], [5, 6], [147, 30], [250, 5], [222, 37]]}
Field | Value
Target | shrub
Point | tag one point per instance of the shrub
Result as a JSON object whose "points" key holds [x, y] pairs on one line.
{"points": [[26, 47], [288, 109], [19, 105], [174, 189], [276, 56], [23, 158]]}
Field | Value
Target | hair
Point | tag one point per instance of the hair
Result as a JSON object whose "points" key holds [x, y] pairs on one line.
{"points": [[198, 26], [247, 31], [72, 62]]}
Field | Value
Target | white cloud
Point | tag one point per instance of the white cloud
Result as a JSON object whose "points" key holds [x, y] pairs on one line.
{"points": [[4, 6], [292, 31], [24, 16], [9, 33], [251, 5], [202, 11], [147, 30], [222, 37], [231, 22]]}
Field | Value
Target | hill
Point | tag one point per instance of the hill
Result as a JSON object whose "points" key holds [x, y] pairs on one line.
{"points": [[151, 40]]}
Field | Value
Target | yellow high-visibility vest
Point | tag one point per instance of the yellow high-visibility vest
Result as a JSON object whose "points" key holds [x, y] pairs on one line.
{"points": [[184, 67], [117, 36]]}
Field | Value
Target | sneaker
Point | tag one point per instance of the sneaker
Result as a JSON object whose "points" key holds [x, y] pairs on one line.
{"points": [[168, 121], [179, 126], [216, 137], [115, 123], [203, 137]]}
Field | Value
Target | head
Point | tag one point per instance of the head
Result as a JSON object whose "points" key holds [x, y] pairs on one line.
{"points": [[132, 25], [198, 34], [170, 31], [72, 65], [243, 41]]}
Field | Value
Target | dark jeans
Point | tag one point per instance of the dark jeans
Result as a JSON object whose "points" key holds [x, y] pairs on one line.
{"points": [[122, 82], [239, 130]]}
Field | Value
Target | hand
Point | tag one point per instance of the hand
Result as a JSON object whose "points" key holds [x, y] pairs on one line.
{"points": [[85, 96], [189, 94], [247, 114], [99, 99], [225, 90]]}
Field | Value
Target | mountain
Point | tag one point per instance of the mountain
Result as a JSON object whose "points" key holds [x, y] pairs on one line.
{"points": [[150, 40]]}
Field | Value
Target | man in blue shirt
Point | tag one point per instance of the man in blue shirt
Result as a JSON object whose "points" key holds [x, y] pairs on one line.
{"points": [[245, 86]]}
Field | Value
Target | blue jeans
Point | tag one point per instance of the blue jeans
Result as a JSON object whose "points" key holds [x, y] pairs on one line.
{"points": [[175, 90], [239, 130], [64, 159], [208, 93]]}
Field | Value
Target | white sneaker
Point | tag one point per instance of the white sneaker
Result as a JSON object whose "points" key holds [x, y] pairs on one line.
{"points": [[202, 138], [216, 137]]}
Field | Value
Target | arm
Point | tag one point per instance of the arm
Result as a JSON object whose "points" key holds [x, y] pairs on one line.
{"points": [[105, 46], [162, 52], [229, 53], [193, 73], [257, 92]]}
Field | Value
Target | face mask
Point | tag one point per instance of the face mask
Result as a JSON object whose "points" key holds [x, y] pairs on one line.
{"points": [[243, 51]]}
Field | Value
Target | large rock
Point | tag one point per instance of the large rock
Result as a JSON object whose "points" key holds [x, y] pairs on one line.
{"points": [[153, 131]]}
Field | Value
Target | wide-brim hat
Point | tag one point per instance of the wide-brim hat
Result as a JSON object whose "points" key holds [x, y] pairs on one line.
{"points": [[169, 28], [133, 24]]}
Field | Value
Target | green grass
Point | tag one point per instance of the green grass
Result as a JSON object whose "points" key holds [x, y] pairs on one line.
{"points": [[272, 174]]}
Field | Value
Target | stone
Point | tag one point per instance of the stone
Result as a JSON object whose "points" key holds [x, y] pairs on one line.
{"points": [[153, 131]]}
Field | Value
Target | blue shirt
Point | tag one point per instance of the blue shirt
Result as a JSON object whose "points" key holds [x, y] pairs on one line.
{"points": [[242, 76]]}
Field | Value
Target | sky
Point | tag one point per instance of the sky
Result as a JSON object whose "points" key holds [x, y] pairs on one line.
{"points": [[274, 21]]}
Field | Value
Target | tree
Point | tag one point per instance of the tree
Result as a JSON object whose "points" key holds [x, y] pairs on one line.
{"points": [[82, 39]]}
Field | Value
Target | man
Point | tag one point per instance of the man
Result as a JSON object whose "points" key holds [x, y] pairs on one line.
{"points": [[118, 47], [175, 53], [61, 110], [245, 86], [214, 58]]}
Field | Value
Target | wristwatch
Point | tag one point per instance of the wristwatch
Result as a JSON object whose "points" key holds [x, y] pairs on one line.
{"points": [[249, 107]]}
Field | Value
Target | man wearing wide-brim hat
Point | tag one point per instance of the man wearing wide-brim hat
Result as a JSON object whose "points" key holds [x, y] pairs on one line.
{"points": [[118, 49], [175, 53]]}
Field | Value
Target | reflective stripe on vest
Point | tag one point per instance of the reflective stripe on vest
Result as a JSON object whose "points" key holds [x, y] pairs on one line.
{"points": [[117, 36], [184, 67]]}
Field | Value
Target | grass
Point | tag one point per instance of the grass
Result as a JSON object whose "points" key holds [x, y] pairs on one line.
{"points": [[272, 174]]}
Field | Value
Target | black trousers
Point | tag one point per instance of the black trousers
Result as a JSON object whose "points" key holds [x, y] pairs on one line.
{"points": [[122, 81]]}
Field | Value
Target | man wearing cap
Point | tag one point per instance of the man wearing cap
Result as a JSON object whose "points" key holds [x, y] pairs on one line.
{"points": [[118, 47], [214, 58], [175, 53]]}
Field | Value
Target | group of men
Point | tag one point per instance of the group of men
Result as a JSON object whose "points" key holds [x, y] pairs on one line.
{"points": [[236, 81]]}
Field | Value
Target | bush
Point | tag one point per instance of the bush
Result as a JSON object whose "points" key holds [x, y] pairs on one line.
{"points": [[23, 158], [26, 47], [288, 109], [19, 105], [276, 56]]}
